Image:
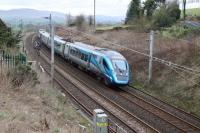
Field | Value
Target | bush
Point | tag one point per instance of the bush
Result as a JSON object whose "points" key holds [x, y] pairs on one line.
{"points": [[161, 18], [174, 11], [166, 15], [23, 74]]}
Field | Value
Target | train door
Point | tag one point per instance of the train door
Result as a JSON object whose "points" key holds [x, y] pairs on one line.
{"points": [[66, 51], [88, 63]]}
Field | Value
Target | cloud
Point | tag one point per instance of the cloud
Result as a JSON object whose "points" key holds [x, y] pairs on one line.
{"points": [[103, 7]]}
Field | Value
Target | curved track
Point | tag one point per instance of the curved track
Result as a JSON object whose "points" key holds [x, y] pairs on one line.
{"points": [[140, 110]]}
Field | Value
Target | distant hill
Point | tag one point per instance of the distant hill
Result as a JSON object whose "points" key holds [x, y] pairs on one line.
{"points": [[31, 16]]}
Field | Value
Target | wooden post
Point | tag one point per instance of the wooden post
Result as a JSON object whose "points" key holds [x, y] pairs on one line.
{"points": [[151, 54], [94, 16], [52, 50]]}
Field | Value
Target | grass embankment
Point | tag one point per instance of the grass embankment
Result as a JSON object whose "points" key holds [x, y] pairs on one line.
{"points": [[36, 107], [179, 88], [180, 31]]}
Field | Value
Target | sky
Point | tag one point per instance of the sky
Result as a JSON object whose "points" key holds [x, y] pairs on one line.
{"points": [[74, 7]]}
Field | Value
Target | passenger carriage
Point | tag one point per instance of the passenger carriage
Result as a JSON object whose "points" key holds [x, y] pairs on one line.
{"points": [[107, 64]]}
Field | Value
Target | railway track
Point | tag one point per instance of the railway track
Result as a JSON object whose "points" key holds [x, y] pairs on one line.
{"points": [[195, 120], [154, 116], [185, 123], [86, 103], [147, 110], [130, 120]]}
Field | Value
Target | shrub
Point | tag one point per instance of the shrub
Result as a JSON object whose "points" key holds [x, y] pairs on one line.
{"points": [[166, 15], [174, 11], [161, 18], [23, 74]]}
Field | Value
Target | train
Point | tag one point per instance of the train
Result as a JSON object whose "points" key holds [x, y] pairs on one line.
{"points": [[106, 64]]}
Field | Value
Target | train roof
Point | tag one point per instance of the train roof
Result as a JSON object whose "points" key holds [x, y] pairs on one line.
{"points": [[59, 39], [44, 33], [111, 54], [99, 51], [89, 48], [56, 38]]}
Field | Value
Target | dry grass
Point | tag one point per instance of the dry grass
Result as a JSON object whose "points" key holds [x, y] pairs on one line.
{"points": [[40, 109]]}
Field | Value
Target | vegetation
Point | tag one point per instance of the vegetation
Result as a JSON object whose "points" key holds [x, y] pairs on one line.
{"points": [[153, 14], [133, 12], [80, 22], [179, 31], [8, 39], [90, 20], [184, 9], [69, 19], [149, 7], [193, 12], [22, 74], [166, 16]]}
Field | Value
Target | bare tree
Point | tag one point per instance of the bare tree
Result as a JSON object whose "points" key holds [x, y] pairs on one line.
{"points": [[80, 22], [69, 19], [90, 20], [184, 9]]}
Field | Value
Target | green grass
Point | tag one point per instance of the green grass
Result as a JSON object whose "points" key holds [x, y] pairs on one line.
{"points": [[193, 12], [3, 115]]}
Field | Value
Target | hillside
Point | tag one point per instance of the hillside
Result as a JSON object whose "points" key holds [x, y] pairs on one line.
{"points": [[32, 16]]}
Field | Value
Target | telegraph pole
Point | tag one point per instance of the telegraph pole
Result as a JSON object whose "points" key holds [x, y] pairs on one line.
{"points": [[94, 16], [52, 48], [151, 54]]}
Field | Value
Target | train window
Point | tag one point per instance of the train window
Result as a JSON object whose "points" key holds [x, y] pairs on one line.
{"points": [[79, 54], [82, 56], [119, 64], [95, 56], [72, 51], [105, 64], [86, 57]]}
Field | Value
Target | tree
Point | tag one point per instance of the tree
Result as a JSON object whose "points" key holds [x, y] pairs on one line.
{"points": [[166, 15], [133, 11], [8, 39], [174, 11], [149, 7], [80, 22], [160, 2], [184, 9], [69, 19], [90, 20]]}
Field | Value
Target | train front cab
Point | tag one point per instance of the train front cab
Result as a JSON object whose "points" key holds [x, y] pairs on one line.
{"points": [[116, 72]]}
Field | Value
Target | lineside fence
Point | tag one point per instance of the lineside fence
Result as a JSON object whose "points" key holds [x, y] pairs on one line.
{"points": [[9, 61]]}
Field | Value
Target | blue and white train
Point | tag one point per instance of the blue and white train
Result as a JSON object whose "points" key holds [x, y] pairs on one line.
{"points": [[107, 64]]}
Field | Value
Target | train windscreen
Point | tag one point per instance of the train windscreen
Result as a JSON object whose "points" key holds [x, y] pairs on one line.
{"points": [[119, 64]]}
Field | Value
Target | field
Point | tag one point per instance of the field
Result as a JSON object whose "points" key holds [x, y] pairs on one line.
{"points": [[193, 12], [110, 27], [174, 86]]}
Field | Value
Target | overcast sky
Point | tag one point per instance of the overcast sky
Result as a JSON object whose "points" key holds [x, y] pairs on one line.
{"points": [[103, 7]]}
